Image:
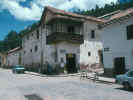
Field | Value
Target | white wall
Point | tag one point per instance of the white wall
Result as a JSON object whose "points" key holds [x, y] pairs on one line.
{"points": [[69, 49], [115, 37], [13, 58], [90, 45], [31, 57], [81, 51]]}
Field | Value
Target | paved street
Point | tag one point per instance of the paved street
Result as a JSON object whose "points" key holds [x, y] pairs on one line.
{"points": [[19, 86]]}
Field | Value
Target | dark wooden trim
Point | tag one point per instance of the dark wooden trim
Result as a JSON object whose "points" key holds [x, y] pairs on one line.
{"points": [[56, 37]]}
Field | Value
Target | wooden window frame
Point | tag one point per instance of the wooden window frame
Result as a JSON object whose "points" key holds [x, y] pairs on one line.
{"points": [[36, 48], [71, 29], [37, 34], [93, 35], [129, 32]]}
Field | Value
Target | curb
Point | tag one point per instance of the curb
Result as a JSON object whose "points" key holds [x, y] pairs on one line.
{"points": [[42, 75]]}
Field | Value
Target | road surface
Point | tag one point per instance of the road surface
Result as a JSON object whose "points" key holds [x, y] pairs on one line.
{"points": [[31, 87]]}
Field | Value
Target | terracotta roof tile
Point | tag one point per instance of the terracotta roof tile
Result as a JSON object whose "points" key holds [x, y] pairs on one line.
{"points": [[62, 12], [14, 50], [120, 16], [122, 13]]}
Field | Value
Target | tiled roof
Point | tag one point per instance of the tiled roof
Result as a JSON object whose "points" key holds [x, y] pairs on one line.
{"points": [[14, 50], [119, 17], [122, 14], [109, 15], [64, 13]]}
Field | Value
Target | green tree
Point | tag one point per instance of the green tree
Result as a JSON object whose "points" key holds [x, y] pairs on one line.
{"points": [[12, 40]]}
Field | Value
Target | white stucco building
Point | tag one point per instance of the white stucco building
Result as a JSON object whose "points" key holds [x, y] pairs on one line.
{"points": [[63, 38], [31, 44], [14, 57], [91, 49], [117, 36]]}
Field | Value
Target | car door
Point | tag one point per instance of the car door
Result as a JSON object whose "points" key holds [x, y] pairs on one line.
{"points": [[130, 78]]}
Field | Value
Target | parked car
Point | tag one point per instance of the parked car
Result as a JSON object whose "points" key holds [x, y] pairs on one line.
{"points": [[18, 69], [126, 80]]}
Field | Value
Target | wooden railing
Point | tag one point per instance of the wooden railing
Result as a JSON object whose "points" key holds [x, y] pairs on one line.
{"points": [[56, 37]]}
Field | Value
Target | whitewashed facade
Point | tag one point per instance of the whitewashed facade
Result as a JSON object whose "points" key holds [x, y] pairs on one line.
{"points": [[118, 49], [14, 57], [57, 44], [89, 50], [31, 44]]}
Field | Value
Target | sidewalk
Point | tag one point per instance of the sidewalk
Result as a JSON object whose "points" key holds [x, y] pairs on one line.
{"points": [[106, 79], [100, 78]]}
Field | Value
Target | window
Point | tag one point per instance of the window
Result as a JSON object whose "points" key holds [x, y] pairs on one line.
{"points": [[32, 34], [62, 60], [27, 37], [24, 52], [89, 53], [92, 34], [129, 32], [62, 51], [36, 48], [30, 50], [37, 34], [106, 49], [71, 29]]}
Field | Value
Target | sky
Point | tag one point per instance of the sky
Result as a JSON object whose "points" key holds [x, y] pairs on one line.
{"points": [[18, 14]]}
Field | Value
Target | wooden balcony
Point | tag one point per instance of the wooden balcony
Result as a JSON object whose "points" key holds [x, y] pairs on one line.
{"points": [[57, 37]]}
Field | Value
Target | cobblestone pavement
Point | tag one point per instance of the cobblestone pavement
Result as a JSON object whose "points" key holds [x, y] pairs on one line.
{"points": [[30, 87]]}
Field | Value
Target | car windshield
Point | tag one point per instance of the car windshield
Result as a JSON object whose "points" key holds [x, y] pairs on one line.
{"points": [[20, 66]]}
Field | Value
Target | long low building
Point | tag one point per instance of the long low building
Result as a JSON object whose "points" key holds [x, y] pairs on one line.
{"points": [[117, 36], [14, 57]]}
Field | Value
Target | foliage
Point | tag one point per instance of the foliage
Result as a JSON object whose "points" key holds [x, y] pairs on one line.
{"points": [[14, 39], [108, 8]]}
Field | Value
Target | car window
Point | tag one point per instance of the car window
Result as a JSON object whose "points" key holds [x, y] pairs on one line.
{"points": [[20, 66], [130, 74]]}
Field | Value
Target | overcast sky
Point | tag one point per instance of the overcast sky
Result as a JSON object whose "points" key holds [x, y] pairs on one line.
{"points": [[17, 14]]}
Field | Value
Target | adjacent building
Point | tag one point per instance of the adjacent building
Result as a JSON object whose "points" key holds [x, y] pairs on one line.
{"points": [[117, 37], [14, 57]]}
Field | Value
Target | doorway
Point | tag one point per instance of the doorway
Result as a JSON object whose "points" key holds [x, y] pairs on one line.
{"points": [[119, 65], [100, 53], [71, 63]]}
